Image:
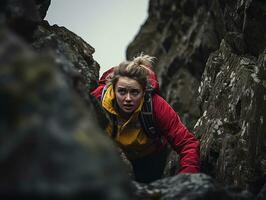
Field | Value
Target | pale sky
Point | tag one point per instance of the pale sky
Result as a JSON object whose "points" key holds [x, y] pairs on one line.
{"points": [[107, 25]]}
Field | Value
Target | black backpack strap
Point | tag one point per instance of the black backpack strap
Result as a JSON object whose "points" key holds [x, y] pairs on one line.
{"points": [[115, 124], [146, 117]]}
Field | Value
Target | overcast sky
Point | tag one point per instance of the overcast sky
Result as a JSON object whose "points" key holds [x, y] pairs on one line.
{"points": [[107, 25]]}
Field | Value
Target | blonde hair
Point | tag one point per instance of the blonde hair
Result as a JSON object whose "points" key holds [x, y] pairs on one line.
{"points": [[137, 69]]}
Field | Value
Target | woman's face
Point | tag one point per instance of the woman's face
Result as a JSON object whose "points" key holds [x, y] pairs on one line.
{"points": [[129, 94]]}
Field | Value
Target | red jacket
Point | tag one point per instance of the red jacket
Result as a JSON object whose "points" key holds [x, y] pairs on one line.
{"points": [[174, 131], [177, 135]]}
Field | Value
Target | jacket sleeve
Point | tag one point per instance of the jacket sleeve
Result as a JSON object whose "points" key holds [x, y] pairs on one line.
{"points": [[181, 140]]}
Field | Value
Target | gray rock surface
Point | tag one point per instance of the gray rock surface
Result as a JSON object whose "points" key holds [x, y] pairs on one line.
{"points": [[22, 17], [188, 187], [232, 126], [50, 144], [214, 49], [72, 53], [182, 34]]}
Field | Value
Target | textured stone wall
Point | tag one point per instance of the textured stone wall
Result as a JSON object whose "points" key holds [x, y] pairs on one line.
{"points": [[211, 67], [232, 126], [51, 146], [181, 35]]}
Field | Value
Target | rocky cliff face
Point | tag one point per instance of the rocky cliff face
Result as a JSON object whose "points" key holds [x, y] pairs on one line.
{"points": [[51, 145], [188, 186], [220, 47], [232, 125]]}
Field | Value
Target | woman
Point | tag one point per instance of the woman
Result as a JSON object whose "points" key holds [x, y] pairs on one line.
{"points": [[123, 98]]}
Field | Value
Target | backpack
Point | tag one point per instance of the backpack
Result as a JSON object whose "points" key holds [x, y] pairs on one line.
{"points": [[146, 114]]}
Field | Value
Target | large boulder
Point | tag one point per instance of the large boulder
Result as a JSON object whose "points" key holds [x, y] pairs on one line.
{"points": [[182, 34], [74, 56], [232, 127], [51, 146], [230, 37], [71, 53], [23, 16], [188, 186]]}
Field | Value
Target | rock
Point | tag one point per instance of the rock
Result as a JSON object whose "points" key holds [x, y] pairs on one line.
{"points": [[262, 194], [75, 58], [42, 6], [188, 186], [182, 34], [127, 164], [50, 145], [184, 97], [172, 164], [21, 17], [72, 53], [230, 37], [232, 126]]}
